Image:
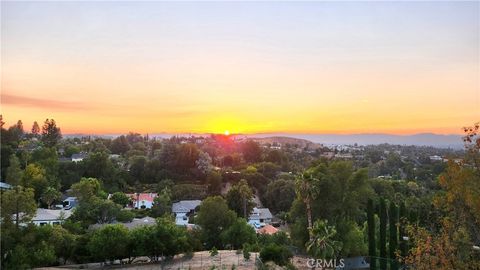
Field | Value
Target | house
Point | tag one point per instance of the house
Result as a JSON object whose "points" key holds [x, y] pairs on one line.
{"points": [[183, 209], [142, 200], [328, 155], [260, 217], [70, 202], [267, 229], [64, 159], [50, 216], [344, 156], [4, 186], [79, 157], [135, 223]]}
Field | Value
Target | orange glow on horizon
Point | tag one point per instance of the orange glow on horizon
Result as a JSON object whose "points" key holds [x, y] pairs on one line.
{"points": [[178, 68]]}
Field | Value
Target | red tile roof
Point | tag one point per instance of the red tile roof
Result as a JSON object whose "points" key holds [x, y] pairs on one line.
{"points": [[268, 229], [149, 197]]}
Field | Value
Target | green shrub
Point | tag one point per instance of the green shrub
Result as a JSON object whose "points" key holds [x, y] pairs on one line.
{"points": [[125, 216], [275, 253], [214, 252]]}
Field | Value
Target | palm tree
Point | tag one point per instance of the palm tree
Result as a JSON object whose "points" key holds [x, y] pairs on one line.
{"points": [[321, 243], [307, 189]]}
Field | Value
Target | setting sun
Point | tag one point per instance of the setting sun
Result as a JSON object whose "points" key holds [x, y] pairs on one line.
{"points": [[227, 132]]}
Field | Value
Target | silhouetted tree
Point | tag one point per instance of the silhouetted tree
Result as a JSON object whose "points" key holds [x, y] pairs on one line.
{"points": [[383, 234], [372, 252], [50, 133], [35, 129]]}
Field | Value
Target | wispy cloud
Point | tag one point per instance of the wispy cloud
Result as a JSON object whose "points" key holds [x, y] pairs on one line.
{"points": [[51, 104]]}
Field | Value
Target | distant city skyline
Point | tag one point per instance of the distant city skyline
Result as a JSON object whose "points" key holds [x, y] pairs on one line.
{"points": [[242, 67]]}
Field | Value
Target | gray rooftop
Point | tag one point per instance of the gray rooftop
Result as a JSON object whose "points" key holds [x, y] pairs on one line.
{"points": [[51, 214], [261, 213], [4, 185], [185, 206], [80, 155]]}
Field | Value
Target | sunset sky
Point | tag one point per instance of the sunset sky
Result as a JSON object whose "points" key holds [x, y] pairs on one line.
{"points": [[248, 67]]}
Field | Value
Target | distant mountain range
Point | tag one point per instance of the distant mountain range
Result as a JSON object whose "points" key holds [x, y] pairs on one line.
{"points": [[425, 139]]}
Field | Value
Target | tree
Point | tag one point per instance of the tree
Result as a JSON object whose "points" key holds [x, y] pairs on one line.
{"points": [[322, 243], [448, 248], [63, 242], [20, 127], [214, 182], [33, 249], [50, 195], [402, 230], [162, 204], [110, 243], [120, 198], [372, 250], [14, 172], [352, 238], [35, 129], [306, 189], [187, 156], [251, 151], [137, 168], [162, 239], [96, 210], [171, 239], [280, 195], [86, 189], [239, 198], [120, 145], [204, 163], [214, 217], [392, 243], [125, 215], [98, 165], [449, 244], [238, 234], [383, 234], [47, 158], [105, 211], [35, 177], [275, 253], [18, 203], [51, 134]]}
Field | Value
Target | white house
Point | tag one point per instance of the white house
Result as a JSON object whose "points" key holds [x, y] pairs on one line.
{"points": [[50, 216], [70, 202], [4, 186], [183, 209], [260, 217], [79, 157], [142, 200]]}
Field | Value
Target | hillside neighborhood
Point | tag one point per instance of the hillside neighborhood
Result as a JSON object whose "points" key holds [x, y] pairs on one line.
{"points": [[162, 198]]}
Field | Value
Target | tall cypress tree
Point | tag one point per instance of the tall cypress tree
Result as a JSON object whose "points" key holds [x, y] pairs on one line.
{"points": [[371, 235], [383, 234], [401, 230], [392, 243]]}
